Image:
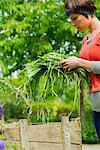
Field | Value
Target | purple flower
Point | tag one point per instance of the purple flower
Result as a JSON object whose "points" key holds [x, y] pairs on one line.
{"points": [[2, 145], [1, 111]]}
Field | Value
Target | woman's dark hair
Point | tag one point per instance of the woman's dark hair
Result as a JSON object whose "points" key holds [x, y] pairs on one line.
{"points": [[78, 6]]}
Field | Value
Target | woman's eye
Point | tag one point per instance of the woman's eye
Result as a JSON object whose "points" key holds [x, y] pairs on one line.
{"points": [[74, 18]]}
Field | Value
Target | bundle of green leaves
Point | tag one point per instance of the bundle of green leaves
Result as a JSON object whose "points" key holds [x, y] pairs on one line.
{"points": [[47, 76]]}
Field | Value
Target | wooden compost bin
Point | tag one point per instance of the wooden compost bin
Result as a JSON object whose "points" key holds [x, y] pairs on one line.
{"points": [[64, 135]]}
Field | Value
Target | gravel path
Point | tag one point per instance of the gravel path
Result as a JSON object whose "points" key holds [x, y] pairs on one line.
{"points": [[91, 147]]}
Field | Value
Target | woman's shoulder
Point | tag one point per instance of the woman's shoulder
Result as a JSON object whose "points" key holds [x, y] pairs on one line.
{"points": [[95, 38]]}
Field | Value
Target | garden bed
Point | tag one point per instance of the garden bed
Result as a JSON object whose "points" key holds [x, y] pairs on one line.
{"points": [[64, 135]]}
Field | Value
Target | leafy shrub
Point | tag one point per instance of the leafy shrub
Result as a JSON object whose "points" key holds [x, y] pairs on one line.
{"points": [[88, 129]]}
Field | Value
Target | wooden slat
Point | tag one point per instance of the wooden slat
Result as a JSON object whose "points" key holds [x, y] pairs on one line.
{"points": [[76, 138], [36, 145], [76, 147], [45, 146], [12, 133], [45, 133], [66, 134], [24, 135], [75, 131], [75, 125], [10, 125]]}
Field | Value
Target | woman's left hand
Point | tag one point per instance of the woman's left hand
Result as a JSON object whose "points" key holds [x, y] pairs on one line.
{"points": [[70, 63]]}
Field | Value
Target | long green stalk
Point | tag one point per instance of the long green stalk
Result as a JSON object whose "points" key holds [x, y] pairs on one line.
{"points": [[51, 77]]}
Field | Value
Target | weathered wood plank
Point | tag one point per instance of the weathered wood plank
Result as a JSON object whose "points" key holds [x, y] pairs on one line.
{"points": [[37, 145], [75, 125], [10, 125], [75, 138], [45, 146], [38, 133], [12, 133], [45, 133], [66, 133], [24, 135], [76, 147], [75, 131]]}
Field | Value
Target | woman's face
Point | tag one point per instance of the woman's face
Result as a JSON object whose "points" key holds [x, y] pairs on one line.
{"points": [[80, 21]]}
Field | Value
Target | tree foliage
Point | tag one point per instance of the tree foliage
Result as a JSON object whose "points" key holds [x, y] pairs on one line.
{"points": [[31, 28]]}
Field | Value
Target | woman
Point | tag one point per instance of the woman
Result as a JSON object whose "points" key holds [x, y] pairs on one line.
{"points": [[81, 13]]}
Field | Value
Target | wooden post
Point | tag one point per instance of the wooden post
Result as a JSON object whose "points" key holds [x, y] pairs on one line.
{"points": [[23, 135], [66, 133]]}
